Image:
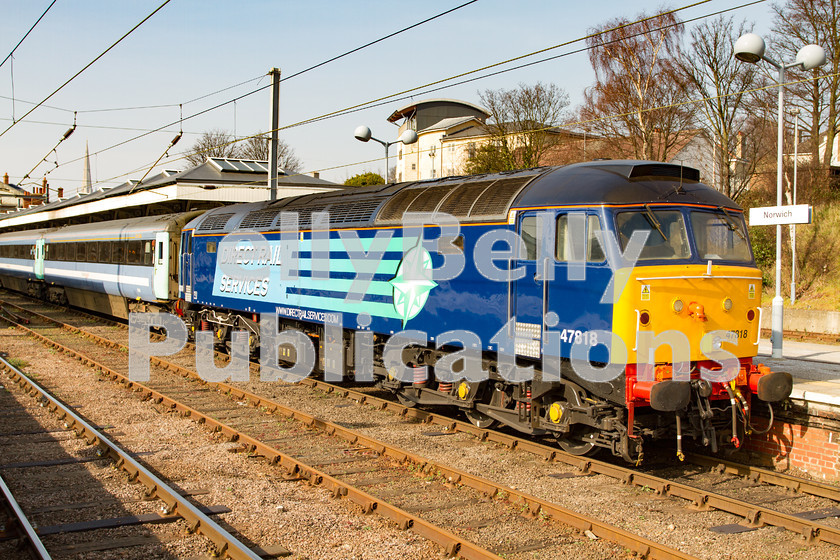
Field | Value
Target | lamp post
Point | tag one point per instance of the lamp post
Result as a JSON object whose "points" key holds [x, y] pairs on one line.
{"points": [[750, 48], [362, 134], [795, 114]]}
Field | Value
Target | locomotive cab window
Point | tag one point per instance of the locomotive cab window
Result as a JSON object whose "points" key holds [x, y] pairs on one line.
{"points": [[720, 236], [528, 233], [586, 227], [667, 237]]}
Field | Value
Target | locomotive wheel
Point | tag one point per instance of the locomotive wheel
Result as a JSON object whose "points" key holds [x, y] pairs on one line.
{"points": [[479, 419], [577, 443]]}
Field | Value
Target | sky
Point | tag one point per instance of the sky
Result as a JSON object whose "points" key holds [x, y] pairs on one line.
{"points": [[192, 48]]}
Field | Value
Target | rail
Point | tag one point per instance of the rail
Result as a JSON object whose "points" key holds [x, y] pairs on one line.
{"points": [[225, 543]]}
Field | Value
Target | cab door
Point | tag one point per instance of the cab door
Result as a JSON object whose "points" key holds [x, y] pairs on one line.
{"points": [[186, 277], [529, 294]]}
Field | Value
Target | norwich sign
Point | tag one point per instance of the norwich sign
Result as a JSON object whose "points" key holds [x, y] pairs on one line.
{"points": [[780, 215]]}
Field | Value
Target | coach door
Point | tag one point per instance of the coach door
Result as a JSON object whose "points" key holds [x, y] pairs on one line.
{"points": [[161, 264], [529, 294], [39, 258], [186, 265]]}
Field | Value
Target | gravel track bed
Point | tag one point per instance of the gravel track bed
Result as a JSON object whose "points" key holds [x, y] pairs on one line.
{"points": [[665, 520], [658, 518], [43, 491], [267, 510]]}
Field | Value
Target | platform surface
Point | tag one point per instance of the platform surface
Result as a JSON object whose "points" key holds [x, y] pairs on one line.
{"points": [[815, 369]]}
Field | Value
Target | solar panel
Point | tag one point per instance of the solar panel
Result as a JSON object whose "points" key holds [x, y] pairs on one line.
{"points": [[240, 166]]}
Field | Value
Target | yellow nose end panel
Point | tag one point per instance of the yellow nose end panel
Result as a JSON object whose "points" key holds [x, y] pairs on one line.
{"points": [[720, 301]]}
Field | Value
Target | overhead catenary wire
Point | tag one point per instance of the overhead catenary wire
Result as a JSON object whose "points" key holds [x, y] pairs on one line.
{"points": [[8, 56], [261, 184], [293, 75], [88, 65], [391, 97]]}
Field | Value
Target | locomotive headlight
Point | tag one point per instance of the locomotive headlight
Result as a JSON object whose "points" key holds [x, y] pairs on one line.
{"points": [[726, 304], [677, 305]]}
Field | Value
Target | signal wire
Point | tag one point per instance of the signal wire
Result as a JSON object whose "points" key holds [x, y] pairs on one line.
{"points": [[88, 65], [8, 56]]}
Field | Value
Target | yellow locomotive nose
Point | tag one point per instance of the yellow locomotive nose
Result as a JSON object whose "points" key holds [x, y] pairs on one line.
{"points": [[696, 311]]}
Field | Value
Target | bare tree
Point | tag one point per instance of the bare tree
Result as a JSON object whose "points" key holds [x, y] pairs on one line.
{"points": [[635, 103], [222, 144], [800, 22], [711, 73], [213, 143], [522, 126], [257, 147]]}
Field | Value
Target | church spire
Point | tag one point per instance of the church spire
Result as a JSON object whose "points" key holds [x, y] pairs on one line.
{"points": [[87, 184]]}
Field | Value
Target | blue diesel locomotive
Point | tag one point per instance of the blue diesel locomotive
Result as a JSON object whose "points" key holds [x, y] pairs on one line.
{"points": [[602, 304]]}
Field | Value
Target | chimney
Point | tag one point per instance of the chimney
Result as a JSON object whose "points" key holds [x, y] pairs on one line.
{"points": [[315, 174], [60, 192], [45, 190], [6, 179]]}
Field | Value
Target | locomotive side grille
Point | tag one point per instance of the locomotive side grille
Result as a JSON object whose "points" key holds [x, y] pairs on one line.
{"points": [[496, 200], [215, 222], [462, 198], [429, 199], [353, 212], [259, 219]]}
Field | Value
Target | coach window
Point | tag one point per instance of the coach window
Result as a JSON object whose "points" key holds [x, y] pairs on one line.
{"points": [[118, 252], [134, 252], [104, 251], [81, 252], [148, 255], [58, 252], [593, 250], [93, 252], [211, 246], [69, 251]]}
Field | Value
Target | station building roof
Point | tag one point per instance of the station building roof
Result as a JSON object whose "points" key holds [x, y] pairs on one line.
{"points": [[216, 182]]}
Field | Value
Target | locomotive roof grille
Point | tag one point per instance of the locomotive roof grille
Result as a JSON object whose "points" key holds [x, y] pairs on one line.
{"points": [[259, 219], [353, 212], [468, 200], [215, 222]]}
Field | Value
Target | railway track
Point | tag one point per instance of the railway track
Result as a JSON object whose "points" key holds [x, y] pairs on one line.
{"points": [[48, 469], [465, 514], [803, 336], [753, 514]]}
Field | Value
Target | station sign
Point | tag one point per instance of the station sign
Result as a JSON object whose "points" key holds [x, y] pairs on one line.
{"points": [[780, 215]]}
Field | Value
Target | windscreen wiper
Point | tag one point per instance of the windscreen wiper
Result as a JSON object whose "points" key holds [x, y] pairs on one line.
{"points": [[654, 222], [732, 223]]}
